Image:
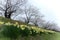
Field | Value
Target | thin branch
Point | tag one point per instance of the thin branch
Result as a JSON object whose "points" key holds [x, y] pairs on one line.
{"points": [[2, 9]]}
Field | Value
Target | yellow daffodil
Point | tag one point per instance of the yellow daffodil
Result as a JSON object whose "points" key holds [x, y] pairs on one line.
{"points": [[16, 23], [1, 22], [18, 26], [22, 25], [22, 28], [8, 23], [30, 32]]}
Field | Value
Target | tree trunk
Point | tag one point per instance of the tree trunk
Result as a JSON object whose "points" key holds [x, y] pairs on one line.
{"points": [[27, 22], [36, 24], [7, 15]]}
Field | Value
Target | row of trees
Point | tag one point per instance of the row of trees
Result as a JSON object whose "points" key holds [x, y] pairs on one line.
{"points": [[30, 13]]}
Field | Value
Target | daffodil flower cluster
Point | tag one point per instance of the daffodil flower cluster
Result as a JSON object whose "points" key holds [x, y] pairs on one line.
{"points": [[35, 29]]}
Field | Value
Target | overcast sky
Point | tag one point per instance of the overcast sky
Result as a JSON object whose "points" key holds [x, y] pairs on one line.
{"points": [[50, 8]]}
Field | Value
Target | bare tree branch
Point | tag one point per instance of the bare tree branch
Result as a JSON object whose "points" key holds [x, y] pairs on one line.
{"points": [[11, 7]]}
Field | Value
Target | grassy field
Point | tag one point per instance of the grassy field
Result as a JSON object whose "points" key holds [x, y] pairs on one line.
{"points": [[57, 36], [43, 36]]}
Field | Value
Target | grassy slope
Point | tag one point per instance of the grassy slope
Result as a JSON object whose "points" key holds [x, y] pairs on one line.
{"points": [[55, 36]]}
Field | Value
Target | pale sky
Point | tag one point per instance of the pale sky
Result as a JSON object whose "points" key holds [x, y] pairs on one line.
{"points": [[50, 8]]}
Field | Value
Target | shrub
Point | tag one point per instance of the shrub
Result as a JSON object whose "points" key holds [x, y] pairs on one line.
{"points": [[25, 32], [11, 31], [33, 32]]}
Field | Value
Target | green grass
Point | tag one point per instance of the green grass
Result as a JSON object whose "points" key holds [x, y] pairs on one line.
{"points": [[57, 36], [46, 36], [42, 37]]}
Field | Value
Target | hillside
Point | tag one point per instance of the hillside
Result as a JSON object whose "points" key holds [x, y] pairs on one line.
{"points": [[29, 32]]}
